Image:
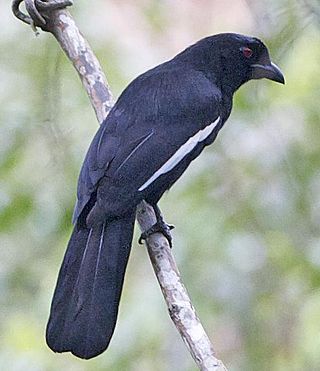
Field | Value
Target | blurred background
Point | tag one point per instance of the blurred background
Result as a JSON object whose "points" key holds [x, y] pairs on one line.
{"points": [[247, 212]]}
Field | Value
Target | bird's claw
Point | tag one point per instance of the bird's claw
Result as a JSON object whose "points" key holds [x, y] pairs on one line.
{"points": [[159, 227]]}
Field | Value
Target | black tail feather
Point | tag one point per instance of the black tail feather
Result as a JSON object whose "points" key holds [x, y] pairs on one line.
{"points": [[85, 303]]}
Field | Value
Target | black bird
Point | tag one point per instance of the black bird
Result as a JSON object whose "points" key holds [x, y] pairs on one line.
{"points": [[160, 123]]}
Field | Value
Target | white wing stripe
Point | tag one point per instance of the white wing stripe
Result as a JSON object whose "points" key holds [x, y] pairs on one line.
{"points": [[185, 149]]}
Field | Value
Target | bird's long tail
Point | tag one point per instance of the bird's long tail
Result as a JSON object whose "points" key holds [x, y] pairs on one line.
{"points": [[85, 303]]}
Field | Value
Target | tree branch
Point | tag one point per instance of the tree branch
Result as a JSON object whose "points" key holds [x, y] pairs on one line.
{"points": [[176, 296], [50, 17]]}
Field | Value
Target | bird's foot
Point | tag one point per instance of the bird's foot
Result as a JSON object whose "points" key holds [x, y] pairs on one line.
{"points": [[159, 227]]}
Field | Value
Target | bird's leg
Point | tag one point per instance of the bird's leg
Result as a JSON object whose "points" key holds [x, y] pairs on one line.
{"points": [[159, 227]]}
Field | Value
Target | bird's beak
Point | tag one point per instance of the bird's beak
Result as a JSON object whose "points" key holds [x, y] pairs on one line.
{"points": [[269, 71]]}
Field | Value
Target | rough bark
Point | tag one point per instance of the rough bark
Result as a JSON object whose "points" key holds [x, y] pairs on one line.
{"points": [[60, 23], [176, 296]]}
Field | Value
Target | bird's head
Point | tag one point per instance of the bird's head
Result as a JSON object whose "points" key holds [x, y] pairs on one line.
{"points": [[232, 59], [244, 58]]}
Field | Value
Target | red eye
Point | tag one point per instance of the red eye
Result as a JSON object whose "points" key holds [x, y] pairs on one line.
{"points": [[247, 52]]}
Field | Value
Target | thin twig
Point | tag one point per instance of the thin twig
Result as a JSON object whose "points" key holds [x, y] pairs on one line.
{"points": [[181, 310], [34, 13], [35, 8], [18, 13], [52, 4]]}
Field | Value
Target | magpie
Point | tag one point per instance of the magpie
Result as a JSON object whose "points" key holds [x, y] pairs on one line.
{"points": [[161, 122]]}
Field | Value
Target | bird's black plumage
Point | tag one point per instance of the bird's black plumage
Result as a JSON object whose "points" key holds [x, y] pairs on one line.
{"points": [[161, 122]]}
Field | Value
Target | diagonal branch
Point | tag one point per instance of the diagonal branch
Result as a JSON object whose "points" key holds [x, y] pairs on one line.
{"points": [[60, 23]]}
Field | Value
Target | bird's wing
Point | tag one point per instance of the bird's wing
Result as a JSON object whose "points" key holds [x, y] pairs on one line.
{"points": [[160, 117]]}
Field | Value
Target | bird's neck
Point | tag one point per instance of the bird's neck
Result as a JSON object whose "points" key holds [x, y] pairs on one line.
{"points": [[231, 78], [216, 70]]}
